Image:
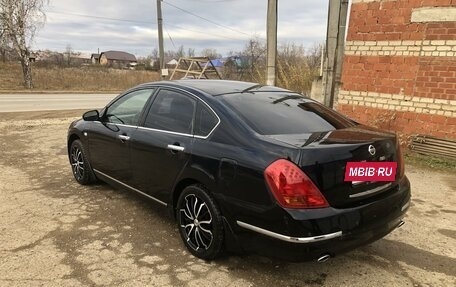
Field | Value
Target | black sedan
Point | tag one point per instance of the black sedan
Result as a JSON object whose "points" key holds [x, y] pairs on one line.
{"points": [[244, 167]]}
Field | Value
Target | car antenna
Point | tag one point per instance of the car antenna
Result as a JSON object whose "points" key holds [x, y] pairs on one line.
{"points": [[251, 88]]}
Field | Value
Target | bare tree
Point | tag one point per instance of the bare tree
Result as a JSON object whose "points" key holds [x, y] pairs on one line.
{"points": [[255, 52], [20, 20], [5, 45], [155, 54], [191, 52], [180, 52], [314, 56], [210, 53], [68, 54], [297, 67]]}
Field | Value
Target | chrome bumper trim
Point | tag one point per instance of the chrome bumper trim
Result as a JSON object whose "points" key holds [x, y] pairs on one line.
{"points": [[405, 206], [289, 238], [131, 188]]}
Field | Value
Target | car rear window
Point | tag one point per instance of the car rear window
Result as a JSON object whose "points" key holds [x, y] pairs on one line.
{"points": [[284, 113]]}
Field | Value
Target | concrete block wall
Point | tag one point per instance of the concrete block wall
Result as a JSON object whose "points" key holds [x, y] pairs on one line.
{"points": [[400, 66]]}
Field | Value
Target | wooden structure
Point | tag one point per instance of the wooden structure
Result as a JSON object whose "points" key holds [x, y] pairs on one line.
{"points": [[196, 68]]}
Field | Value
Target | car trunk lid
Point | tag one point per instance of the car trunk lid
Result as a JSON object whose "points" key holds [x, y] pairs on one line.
{"points": [[324, 156]]}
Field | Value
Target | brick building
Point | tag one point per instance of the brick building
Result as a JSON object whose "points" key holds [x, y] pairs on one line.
{"points": [[399, 69]]}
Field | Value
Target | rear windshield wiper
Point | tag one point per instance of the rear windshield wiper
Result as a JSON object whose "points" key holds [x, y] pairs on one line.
{"points": [[290, 97], [251, 88]]}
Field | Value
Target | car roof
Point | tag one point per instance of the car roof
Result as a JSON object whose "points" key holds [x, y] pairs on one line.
{"points": [[222, 87]]}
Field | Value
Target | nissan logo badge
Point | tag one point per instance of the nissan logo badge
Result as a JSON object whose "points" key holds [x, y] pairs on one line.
{"points": [[372, 150]]}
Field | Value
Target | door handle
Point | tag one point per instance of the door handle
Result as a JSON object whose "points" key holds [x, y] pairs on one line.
{"points": [[124, 137], [176, 147]]}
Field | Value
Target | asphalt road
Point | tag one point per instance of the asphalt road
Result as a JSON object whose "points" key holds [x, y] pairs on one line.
{"points": [[52, 102]]}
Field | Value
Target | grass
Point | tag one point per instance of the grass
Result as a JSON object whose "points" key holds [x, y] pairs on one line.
{"points": [[432, 162], [83, 79]]}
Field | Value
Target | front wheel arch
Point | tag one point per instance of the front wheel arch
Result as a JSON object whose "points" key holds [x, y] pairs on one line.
{"points": [[71, 139]]}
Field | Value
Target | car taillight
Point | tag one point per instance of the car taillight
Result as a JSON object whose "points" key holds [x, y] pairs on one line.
{"points": [[291, 187]]}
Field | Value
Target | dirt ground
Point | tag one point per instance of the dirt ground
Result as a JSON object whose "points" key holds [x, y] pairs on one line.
{"points": [[54, 232]]}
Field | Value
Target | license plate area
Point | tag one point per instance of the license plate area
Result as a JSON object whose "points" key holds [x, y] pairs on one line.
{"points": [[360, 172]]}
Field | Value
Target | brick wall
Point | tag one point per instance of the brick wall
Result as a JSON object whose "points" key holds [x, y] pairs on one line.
{"points": [[399, 68]]}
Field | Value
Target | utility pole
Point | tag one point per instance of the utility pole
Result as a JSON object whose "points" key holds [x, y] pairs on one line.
{"points": [[334, 50], [271, 43], [161, 49]]}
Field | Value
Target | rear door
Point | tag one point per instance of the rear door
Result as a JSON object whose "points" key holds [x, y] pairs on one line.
{"points": [[162, 145], [109, 139]]}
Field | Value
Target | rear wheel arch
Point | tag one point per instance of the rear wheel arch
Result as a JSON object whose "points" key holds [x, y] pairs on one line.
{"points": [[192, 175], [179, 188]]}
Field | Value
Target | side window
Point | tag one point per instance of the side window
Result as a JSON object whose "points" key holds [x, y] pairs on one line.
{"points": [[206, 120], [171, 111], [128, 108]]}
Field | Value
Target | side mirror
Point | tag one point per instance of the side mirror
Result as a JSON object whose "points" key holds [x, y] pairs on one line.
{"points": [[91, 116]]}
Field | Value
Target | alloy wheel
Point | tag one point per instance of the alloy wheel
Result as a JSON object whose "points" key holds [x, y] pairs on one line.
{"points": [[77, 162], [196, 222]]}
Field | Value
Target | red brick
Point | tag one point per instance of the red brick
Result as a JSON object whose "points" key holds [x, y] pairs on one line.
{"points": [[403, 122], [433, 77], [436, 3], [449, 36], [451, 121], [439, 119], [447, 74]]}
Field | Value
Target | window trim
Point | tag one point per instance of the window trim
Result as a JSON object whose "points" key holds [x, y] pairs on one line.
{"points": [[153, 91], [200, 103], [187, 93], [149, 107]]}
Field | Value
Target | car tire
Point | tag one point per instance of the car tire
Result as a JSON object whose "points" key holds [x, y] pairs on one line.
{"points": [[80, 165], [200, 222]]}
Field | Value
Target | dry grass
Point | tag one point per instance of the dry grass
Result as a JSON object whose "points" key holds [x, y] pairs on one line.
{"points": [[84, 79]]}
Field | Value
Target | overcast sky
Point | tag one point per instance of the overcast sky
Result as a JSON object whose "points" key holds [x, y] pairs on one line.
{"points": [[131, 26]]}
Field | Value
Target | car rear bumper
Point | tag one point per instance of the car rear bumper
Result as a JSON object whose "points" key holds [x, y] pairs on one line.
{"points": [[330, 231]]}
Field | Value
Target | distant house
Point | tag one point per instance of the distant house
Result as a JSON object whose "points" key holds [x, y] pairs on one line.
{"points": [[172, 64], [95, 58], [80, 59], [117, 59], [32, 58]]}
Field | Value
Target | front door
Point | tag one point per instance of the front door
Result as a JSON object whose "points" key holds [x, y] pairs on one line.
{"points": [[109, 139]]}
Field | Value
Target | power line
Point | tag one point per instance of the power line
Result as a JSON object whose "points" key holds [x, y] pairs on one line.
{"points": [[170, 38], [201, 32], [99, 17], [138, 22], [205, 19]]}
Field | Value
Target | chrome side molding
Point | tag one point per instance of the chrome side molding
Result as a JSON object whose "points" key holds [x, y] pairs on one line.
{"points": [[131, 188], [289, 238]]}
